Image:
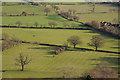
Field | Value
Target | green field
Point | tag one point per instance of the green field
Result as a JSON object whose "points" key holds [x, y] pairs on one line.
{"points": [[83, 11], [30, 20], [58, 36], [44, 65]]}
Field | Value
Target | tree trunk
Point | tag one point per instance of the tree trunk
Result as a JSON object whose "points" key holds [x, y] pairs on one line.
{"points": [[22, 68], [74, 46], [96, 48], [46, 14]]}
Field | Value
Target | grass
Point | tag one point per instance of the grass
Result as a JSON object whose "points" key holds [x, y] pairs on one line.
{"points": [[30, 20], [83, 10], [44, 65], [58, 36]]}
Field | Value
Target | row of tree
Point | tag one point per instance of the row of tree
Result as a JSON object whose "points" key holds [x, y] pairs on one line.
{"points": [[50, 23], [97, 41], [8, 43], [69, 15], [115, 30]]}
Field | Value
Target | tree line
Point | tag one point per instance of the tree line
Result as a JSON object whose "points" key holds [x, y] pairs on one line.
{"points": [[9, 42], [50, 23], [96, 41], [106, 27]]}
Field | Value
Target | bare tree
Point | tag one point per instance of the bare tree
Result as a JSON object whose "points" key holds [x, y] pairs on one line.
{"points": [[8, 42], [53, 24], [36, 24], [22, 60], [47, 11], [95, 24], [5, 36], [4, 3], [19, 23], [92, 6], [97, 41], [73, 25], [70, 11], [44, 4], [66, 24], [74, 40], [56, 8], [74, 11], [75, 18], [65, 44]]}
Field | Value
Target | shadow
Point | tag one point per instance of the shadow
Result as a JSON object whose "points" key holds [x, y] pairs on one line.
{"points": [[113, 60], [48, 48], [103, 33], [72, 49], [54, 78], [50, 55], [12, 70], [69, 28], [116, 47], [55, 18], [51, 52]]}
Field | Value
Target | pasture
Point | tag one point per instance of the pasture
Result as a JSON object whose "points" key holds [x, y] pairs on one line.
{"points": [[102, 12], [57, 36], [44, 65], [29, 21]]}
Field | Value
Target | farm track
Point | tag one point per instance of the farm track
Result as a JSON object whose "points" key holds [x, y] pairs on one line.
{"points": [[46, 44]]}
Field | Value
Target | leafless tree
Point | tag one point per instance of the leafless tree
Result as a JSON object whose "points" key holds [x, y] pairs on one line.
{"points": [[44, 4], [75, 18], [66, 24], [22, 60], [36, 24], [47, 11], [19, 23], [52, 23]]}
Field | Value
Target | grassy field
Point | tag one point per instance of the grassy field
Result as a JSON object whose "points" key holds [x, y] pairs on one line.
{"points": [[44, 65], [30, 20], [83, 11], [58, 36]]}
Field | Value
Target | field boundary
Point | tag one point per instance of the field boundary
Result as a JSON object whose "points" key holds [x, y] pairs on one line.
{"points": [[71, 47], [46, 44], [46, 27]]}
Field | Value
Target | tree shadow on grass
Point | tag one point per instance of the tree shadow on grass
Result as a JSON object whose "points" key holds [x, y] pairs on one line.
{"points": [[51, 52], [113, 60], [55, 18], [105, 34], [17, 70], [72, 49], [115, 47], [46, 48]]}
